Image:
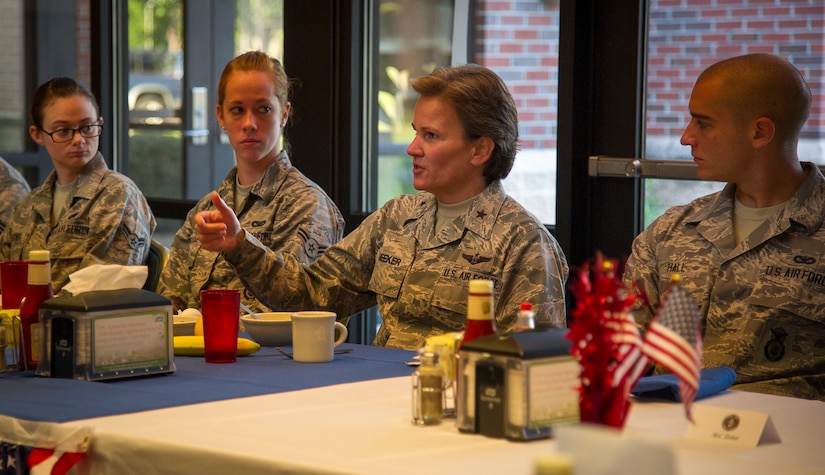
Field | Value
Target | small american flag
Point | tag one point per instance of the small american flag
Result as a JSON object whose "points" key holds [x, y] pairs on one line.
{"points": [[631, 361], [13, 459], [674, 341], [18, 459], [40, 448]]}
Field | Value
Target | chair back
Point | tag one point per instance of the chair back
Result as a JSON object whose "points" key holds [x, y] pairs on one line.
{"points": [[158, 256]]}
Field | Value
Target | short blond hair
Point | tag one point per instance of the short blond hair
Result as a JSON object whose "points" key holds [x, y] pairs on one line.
{"points": [[484, 106], [763, 85]]}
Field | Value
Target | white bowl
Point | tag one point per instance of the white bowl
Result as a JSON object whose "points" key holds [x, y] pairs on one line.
{"points": [[273, 329], [183, 325]]}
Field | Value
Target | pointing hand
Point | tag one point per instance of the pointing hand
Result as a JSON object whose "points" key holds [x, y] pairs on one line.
{"points": [[218, 230]]}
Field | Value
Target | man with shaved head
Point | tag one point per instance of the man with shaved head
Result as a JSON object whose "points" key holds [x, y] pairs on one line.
{"points": [[753, 254]]}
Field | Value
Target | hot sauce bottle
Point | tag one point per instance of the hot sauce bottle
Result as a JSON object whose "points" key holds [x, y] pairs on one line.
{"points": [[480, 322], [39, 289], [480, 311]]}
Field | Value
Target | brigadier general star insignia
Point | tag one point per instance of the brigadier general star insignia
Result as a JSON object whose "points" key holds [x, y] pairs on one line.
{"points": [[480, 214]]}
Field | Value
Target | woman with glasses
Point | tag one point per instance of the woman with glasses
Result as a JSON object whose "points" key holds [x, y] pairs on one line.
{"points": [[83, 213]]}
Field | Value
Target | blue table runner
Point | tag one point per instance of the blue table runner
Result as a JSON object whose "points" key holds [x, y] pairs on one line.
{"points": [[26, 396]]}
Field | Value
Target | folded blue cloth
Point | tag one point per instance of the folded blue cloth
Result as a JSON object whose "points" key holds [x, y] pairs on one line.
{"points": [[666, 386]]}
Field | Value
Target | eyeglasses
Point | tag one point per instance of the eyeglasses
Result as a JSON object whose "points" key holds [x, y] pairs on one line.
{"points": [[65, 135]]}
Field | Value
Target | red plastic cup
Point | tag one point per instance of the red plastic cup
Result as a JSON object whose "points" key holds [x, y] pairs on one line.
{"points": [[14, 279], [221, 311]]}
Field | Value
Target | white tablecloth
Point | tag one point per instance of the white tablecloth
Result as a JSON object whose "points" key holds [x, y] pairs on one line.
{"points": [[365, 428]]}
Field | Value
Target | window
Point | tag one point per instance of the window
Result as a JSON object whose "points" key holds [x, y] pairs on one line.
{"points": [[176, 153], [155, 97], [39, 42], [415, 37], [686, 37], [520, 41], [516, 39], [13, 107], [154, 144]]}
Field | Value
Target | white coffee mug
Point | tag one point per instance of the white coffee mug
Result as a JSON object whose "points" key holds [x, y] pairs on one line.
{"points": [[313, 336]]}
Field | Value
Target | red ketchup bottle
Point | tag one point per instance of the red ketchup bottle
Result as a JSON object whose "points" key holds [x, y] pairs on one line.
{"points": [[39, 289], [480, 311]]}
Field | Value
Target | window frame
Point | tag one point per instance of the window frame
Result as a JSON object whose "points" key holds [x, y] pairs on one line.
{"points": [[601, 83], [601, 112]]}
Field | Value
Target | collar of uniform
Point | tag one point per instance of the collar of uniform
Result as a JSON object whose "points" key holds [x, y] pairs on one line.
{"points": [[226, 188], [273, 178], [701, 210], [481, 215], [266, 188], [806, 208], [90, 177], [87, 181], [804, 212]]}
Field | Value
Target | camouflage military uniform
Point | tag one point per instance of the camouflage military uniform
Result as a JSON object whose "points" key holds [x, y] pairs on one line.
{"points": [[418, 279], [13, 188], [108, 222], [285, 211], [763, 301]]}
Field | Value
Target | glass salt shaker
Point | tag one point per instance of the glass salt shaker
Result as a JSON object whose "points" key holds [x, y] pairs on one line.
{"points": [[428, 391]]}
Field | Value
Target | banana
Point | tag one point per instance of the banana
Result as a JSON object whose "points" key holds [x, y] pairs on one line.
{"points": [[193, 346]]}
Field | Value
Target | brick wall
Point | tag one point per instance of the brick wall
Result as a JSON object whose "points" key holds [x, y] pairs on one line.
{"points": [[13, 110], [519, 40], [686, 36], [84, 42]]}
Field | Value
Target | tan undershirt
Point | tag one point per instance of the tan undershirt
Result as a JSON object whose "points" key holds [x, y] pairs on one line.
{"points": [[445, 213], [746, 220], [241, 192], [61, 194]]}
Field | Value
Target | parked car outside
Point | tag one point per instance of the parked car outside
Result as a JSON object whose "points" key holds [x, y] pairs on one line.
{"points": [[155, 88]]}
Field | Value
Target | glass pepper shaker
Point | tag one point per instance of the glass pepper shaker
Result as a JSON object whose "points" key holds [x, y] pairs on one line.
{"points": [[428, 391]]}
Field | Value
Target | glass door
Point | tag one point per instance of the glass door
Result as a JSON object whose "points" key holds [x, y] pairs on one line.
{"points": [[175, 151], [517, 40], [172, 148], [154, 158], [679, 48]]}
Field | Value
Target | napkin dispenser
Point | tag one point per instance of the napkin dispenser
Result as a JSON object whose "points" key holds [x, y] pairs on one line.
{"points": [[106, 334], [517, 386]]}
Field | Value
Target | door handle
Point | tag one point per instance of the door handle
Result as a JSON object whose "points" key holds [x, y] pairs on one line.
{"points": [[199, 133], [196, 133], [600, 165]]}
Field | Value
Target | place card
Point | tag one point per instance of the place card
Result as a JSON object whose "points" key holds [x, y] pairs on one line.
{"points": [[731, 426]]}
